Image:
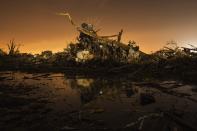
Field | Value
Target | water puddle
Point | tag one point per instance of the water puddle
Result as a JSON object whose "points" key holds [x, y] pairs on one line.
{"points": [[54, 101]]}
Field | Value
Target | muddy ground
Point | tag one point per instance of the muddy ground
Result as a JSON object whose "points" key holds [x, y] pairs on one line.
{"points": [[57, 102]]}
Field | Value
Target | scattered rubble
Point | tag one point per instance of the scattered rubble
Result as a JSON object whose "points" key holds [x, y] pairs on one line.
{"points": [[95, 54]]}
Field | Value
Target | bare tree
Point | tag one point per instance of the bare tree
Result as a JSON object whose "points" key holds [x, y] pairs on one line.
{"points": [[2, 52], [13, 48]]}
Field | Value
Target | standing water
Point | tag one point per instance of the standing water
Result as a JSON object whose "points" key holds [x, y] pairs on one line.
{"points": [[58, 102]]}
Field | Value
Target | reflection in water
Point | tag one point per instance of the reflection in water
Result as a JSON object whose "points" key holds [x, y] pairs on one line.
{"points": [[66, 99], [86, 83], [91, 89]]}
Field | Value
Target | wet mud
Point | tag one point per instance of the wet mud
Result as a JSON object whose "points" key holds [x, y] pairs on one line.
{"points": [[57, 102]]}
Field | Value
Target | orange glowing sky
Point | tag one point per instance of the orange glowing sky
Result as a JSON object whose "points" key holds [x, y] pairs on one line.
{"points": [[151, 23]]}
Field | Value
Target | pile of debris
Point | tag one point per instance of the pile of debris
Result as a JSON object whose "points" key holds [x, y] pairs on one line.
{"points": [[172, 50], [91, 46]]}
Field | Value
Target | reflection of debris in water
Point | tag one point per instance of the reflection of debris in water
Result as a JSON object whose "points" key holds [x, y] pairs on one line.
{"points": [[95, 104], [84, 82]]}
